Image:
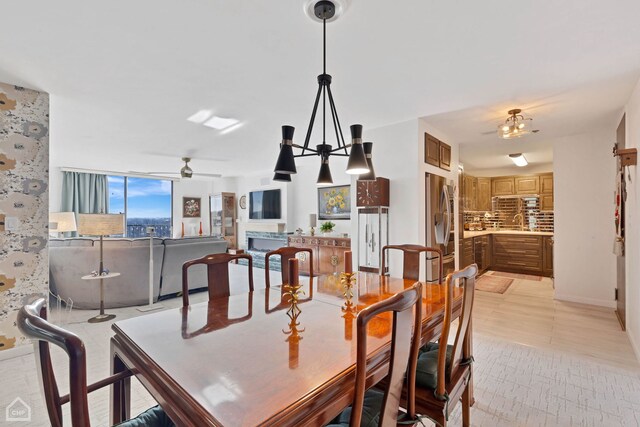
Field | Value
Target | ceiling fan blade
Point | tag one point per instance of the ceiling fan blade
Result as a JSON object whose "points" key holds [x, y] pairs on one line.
{"points": [[212, 175]]}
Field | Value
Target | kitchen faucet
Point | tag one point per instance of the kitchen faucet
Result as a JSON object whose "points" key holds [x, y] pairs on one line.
{"points": [[521, 222]]}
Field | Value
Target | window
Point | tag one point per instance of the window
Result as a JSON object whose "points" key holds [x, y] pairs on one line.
{"points": [[144, 201]]}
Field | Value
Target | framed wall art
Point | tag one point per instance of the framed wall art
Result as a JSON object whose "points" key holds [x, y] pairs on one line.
{"points": [[334, 202], [191, 207]]}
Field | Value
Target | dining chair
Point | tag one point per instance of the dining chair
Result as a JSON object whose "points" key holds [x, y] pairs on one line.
{"points": [[217, 274], [376, 407], [411, 260], [33, 324], [286, 253], [443, 371]]}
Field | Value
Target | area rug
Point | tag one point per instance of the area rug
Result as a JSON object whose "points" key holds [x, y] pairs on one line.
{"points": [[497, 285], [516, 275]]}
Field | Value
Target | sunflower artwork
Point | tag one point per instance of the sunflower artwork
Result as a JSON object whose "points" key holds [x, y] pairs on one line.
{"points": [[334, 202]]}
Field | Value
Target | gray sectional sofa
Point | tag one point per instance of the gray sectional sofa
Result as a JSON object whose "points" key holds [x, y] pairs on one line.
{"points": [[70, 259]]}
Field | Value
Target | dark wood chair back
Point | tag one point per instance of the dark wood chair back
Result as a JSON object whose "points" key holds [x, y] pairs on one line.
{"points": [[411, 260], [461, 349], [217, 274], [406, 307], [32, 321], [33, 324], [286, 253]]}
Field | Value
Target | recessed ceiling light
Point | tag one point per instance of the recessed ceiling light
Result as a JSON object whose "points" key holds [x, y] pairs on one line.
{"points": [[200, 117], [220, 123], [518, 159]]}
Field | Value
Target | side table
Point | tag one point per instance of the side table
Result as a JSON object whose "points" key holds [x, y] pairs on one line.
{"points": [[102, 317]]}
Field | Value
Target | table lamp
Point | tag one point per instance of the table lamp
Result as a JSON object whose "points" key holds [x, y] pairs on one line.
{"points": [[62, 222], [100, 225]]}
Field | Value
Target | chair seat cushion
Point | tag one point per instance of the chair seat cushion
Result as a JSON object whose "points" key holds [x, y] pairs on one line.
{"points": [[153, 417], [427, 367], [370, 411]]}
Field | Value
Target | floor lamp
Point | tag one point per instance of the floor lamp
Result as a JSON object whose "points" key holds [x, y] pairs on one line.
{"points": [[101, 225], [151, 231]]}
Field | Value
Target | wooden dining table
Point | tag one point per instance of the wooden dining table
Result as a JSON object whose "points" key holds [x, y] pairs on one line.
{"points": [[243, 361]]}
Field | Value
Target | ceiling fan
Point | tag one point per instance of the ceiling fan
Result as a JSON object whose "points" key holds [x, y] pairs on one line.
{"points": [[185, 172]]}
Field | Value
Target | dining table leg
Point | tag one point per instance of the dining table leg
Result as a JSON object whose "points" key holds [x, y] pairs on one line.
{"points": [[120, 390]]}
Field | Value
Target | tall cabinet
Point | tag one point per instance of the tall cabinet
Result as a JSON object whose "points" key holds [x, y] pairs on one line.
{"points": [[223, 218], [372, 200]]}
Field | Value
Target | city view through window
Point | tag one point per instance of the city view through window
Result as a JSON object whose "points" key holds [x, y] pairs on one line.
{"points": [[144, 201]]}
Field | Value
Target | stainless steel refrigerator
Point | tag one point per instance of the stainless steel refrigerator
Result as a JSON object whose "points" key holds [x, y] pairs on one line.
{"points": [[440, 224]]}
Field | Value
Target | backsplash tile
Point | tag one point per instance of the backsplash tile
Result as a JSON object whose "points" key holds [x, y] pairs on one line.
{"points": [[24, 200], [505, 209]]}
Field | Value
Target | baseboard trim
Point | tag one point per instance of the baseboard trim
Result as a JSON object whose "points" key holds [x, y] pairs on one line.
{"points": [[634, 344], [583, 300], [11, 353]]}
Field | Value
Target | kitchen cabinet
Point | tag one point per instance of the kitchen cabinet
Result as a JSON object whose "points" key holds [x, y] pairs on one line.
{"points": [[431, 150], [483, 195], [328, 253], [436, 152], [482, 249], [546, 183], [503, 186], [518, 253], [547, 256], [445, 156], [470, 193], [467, 255], [546, 192], [526, 185]]}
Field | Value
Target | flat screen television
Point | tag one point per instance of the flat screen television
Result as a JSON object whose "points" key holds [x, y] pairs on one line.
{"points": [[264, 204]]}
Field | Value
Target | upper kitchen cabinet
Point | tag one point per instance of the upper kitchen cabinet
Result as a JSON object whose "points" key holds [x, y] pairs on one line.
{"points": [[470, 193], [483, 200], [445, 156], [503, 186], [436, 152], [546, 183], [431, 150], [526, 185], [546, 192]]}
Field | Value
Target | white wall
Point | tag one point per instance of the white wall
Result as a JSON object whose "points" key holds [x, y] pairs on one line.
{"points": [[584, 179], [191, 188], [632, 232]]}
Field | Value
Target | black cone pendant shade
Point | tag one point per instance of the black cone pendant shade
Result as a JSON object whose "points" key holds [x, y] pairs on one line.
{"points": [[324, 177], [357, 164], [371, 175], [286, 163], [282, 177]]}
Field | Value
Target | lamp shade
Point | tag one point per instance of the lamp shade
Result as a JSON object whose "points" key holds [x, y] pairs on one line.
{"points": [[324, 177], [286, 164], [282, 177], [62, 222], [371, 175], [100, 224], [357, 163]]}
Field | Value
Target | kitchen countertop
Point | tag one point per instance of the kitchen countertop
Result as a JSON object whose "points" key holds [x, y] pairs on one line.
{"points": [[469, 234]]}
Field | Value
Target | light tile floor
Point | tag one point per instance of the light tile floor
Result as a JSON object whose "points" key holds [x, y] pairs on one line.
{"points": [[539, 362]]}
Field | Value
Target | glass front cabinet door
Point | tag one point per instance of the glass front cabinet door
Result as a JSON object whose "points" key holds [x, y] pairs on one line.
{"points": [[373, 235], [223, 217]]}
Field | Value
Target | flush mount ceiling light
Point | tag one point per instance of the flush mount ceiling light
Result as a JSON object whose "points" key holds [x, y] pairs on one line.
{"points": [[518, 159], [324, 11], [515, 126]]}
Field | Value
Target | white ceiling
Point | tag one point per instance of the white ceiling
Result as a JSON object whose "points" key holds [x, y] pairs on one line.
{"points": [[124, 76]]}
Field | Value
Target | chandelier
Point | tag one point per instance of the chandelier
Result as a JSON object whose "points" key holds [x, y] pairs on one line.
{"points": [[515, 126], [359, 153]]}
